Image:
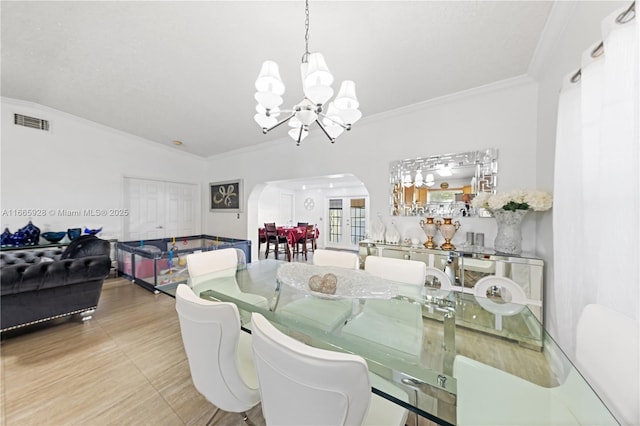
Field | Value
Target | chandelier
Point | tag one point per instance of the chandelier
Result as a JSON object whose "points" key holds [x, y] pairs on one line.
{"points": [[338, 116]]}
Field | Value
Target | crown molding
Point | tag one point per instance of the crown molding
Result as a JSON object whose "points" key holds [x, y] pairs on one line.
{"points": [[553, 29]]}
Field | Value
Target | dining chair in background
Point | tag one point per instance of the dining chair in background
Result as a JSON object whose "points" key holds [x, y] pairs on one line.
{"points": [[278, 241], [218, 352], [307, 241], [341, 259], [327, 314], [221, 265], [262, 237], [327, 388], [300, 239], [394, 323]]}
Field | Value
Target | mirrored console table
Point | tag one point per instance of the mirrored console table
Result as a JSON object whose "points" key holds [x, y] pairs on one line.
{"points": [[515, 274]]}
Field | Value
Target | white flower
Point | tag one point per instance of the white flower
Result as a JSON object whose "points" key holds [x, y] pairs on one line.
{"points": [[481, 200], [539, 200], [519, 199]]}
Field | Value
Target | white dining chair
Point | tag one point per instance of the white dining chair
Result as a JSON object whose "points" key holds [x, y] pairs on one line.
{"points": [[394, 323], [219, 353], [223, 263], [325, 314], [302, 385], [608, 354], [341, 259]]}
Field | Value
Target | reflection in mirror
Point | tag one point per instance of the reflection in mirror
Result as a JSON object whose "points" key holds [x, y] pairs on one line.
{"points": [[442, 185]]}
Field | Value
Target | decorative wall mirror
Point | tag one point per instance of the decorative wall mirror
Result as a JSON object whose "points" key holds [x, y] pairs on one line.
{"points": [[442, 185]]}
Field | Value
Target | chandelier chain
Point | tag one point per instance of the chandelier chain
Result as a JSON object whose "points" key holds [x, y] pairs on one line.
{"points": [[306, 29]]}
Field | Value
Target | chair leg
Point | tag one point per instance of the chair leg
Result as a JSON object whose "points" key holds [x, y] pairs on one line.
{"points": [[247, 420]]}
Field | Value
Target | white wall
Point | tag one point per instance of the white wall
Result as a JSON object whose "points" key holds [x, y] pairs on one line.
{"points": [[270, 205], [500, 116], [77, 165]]}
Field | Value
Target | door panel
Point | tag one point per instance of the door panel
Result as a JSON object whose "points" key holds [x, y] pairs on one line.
{"points": [[143, 204], [160, 209], [347, 222]]}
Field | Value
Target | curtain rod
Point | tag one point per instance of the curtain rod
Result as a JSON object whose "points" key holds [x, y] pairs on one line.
{"points": [[626, 16]]}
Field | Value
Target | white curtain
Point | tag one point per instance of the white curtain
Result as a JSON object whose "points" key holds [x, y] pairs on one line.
{"points": [[596, 208]]}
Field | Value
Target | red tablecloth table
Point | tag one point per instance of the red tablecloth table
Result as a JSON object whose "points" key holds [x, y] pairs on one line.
{"points": [[293, 233]]}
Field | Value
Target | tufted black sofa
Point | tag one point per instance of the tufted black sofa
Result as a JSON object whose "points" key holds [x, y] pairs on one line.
{"points": [[39, 285]]}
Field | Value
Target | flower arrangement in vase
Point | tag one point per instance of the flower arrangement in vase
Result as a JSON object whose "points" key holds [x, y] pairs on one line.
{"points": [[509, 208]]}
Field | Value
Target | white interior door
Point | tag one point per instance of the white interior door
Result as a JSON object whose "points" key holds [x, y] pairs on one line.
{"points": [[143, 199], [160, 209], [347, 222], [180, 211]]}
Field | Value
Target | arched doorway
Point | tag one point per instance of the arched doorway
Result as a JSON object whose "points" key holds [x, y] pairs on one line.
{"points": [[337, 204]]}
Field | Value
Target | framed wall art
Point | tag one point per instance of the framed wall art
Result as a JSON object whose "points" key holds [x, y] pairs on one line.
{"points": [[226, 196]]}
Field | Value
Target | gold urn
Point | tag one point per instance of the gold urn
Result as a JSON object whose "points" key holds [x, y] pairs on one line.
{"points": [[429, 227], [448, 230]]}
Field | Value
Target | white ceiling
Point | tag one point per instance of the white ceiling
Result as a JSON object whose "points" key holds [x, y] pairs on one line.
{"points": [[165, 70]]}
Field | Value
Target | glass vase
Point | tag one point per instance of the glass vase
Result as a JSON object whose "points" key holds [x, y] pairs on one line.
{"points": [[392, 236], [509, 237], [378, 230]]}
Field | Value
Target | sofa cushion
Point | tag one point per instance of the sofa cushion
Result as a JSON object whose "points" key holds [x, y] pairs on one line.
{"points": [[33, 277], [87, 245], [28, 256]]}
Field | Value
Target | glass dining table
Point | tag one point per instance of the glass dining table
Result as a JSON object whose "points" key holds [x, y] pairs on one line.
{"points": [[467, 361]]}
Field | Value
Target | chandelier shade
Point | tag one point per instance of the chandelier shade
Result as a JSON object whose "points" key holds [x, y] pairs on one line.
{"points": [[316, 84], [318, 94], [268, 100], [346, 97], [317, 71], [269, 79]]}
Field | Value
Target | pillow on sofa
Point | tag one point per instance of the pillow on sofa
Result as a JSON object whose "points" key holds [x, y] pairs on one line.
{"points": [[87, 245]]}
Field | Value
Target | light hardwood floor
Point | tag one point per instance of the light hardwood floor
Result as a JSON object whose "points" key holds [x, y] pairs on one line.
{"points": [[126, 366]]}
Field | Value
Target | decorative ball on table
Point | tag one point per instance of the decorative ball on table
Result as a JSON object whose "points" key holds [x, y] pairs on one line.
{"points": [[326, 284]]}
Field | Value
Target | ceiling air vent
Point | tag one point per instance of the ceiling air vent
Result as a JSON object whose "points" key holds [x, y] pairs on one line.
{"points": [[34, 123]]}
